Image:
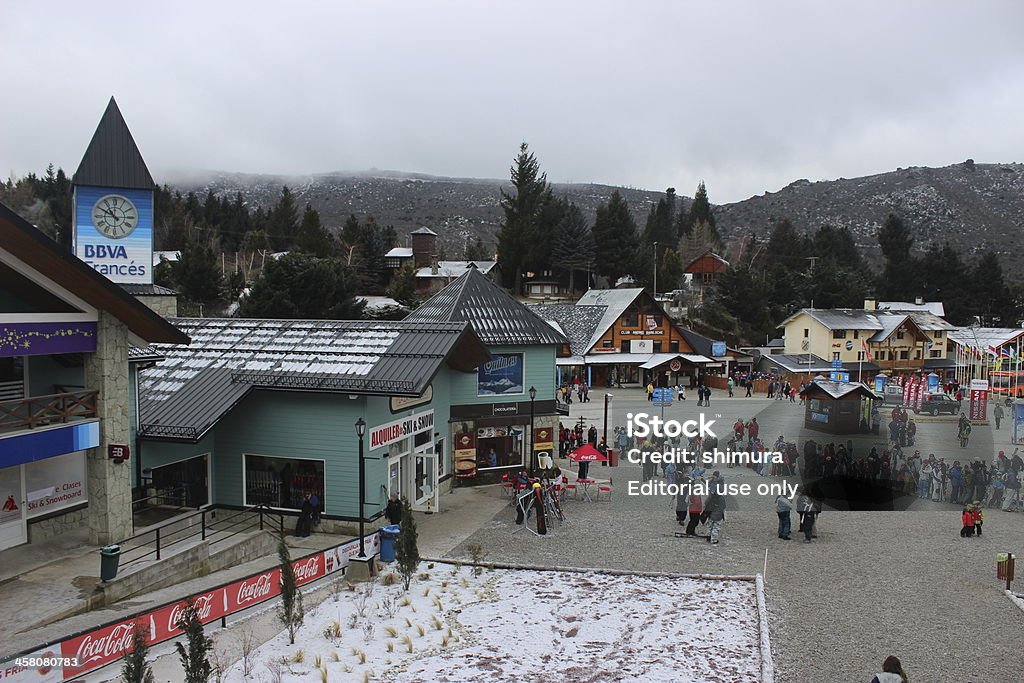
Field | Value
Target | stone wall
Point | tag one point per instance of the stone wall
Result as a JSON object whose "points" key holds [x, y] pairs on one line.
{"points": [[40, 530], [110, 485], [166, 306]]}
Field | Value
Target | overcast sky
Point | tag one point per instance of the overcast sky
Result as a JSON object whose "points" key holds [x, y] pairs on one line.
{"points": [[748, 96]]}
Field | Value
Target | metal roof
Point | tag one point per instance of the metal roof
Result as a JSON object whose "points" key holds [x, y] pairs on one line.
{"points": [[112, 158], [138, 354], [934, 307], [454, 269], [799, 363], [578, 323], [185, 394], [889, 325], [423, 231], [496, 317], [615, 301], [984, 337], [840, 389], [863, 319]]}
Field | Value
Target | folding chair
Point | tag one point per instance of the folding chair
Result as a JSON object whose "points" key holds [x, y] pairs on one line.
{"points": [[605, 488], [569, 486]]}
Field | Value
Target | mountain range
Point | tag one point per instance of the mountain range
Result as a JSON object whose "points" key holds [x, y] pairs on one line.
{"points": [[976, 207]]}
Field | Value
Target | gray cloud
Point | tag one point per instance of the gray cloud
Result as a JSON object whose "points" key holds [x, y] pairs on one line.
{"points": [[746, 95]]}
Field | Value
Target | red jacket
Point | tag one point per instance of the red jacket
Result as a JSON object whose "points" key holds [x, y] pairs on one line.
{"points": [[968, 518], [977, 516], [696, 503]]}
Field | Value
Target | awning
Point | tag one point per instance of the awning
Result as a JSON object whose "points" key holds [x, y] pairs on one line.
{"points": [[571, 360], [659, 359], [617, 358], [695, 358]]}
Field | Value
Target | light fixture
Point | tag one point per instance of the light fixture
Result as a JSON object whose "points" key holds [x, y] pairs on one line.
{"points": [[533, 393], [360, 427]]}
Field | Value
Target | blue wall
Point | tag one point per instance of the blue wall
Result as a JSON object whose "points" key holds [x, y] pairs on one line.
{"points": [[539, 372]]}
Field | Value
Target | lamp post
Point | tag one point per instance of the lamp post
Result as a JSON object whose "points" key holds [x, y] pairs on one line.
{"points": [[533, 453], [360, 432], [607, 397]]}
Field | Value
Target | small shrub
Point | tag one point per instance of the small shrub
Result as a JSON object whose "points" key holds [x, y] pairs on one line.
{"points": [[391, 631], [408, 642], [390, 579], [299, 656], [391, 646], [419, 630], [438, 624], [333, 630]]}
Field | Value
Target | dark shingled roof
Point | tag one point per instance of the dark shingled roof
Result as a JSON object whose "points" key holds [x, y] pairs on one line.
{"points": [[183, 396], [112, 158], [497, 318], [578, 323], [147, 290]]}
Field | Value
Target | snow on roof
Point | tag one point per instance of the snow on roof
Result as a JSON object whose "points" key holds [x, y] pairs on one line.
{"points": [[399, 252], [934, 307], [455, 269]]}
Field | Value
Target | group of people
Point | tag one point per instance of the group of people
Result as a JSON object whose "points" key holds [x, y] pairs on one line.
{"points": [[780, 391], [700, 511], [309, 514], [902, 429], [807, 508], [578, 387]]}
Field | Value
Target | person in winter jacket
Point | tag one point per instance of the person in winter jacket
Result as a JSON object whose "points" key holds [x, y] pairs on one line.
{"points": [[967, 517], [784, 506], [977, 517], [892, 672], [682, 499], [696, 507], [808, 509], [715, 510]]}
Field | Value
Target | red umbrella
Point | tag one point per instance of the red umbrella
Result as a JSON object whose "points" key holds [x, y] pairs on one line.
{"points": [[587, 453]]}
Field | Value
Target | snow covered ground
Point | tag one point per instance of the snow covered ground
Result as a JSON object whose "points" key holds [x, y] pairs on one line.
{"points": [[521, 625]]}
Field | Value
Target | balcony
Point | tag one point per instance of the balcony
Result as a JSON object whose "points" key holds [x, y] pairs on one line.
{"points": [[43, 411]]}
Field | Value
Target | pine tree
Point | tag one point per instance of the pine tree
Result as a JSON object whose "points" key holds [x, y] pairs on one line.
{"points": [[996, 305], [573, 246], [198, 273], [298, 286], [284, 221], [700, 212], [522, 209], [475, 251], [670, 270], [135, 668], [290, 613], [195, 657], [403, 286], [898, 277], [313, 238], [407, 554], [615, 239]]}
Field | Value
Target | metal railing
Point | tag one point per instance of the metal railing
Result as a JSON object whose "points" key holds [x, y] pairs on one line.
{"points": [[204, 525], [165, 496], [39, 411]]}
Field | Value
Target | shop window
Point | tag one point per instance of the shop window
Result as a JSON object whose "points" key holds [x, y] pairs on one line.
{"points": [[499, 446], [282, 482]]}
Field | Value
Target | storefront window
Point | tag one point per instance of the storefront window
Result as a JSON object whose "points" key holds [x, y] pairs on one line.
{"points": [[499, 446], [282, 482]]}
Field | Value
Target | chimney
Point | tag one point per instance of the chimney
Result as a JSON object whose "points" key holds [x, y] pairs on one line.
{"points": [[870, 304], [919, 300], [433, 267], [424, 247]]}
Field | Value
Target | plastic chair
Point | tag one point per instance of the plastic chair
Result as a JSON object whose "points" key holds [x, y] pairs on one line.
{"points": [[569, 486], [604, 488]]}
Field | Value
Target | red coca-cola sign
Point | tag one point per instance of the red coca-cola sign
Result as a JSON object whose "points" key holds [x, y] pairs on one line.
{"points": [[254, 590], [310, 569], [98, 647]]}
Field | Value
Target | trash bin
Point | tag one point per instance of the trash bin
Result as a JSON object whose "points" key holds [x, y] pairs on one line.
{"points": [[613, 457], [110, 555], [388, 536]]}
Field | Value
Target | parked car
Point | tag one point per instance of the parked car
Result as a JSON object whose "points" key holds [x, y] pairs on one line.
{"points": [[933, 404], [893, 395]]}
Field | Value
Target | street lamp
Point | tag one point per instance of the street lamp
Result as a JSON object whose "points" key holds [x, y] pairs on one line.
{"points": [[533, 453], [607, 396], [361, 432], [655, 271]]}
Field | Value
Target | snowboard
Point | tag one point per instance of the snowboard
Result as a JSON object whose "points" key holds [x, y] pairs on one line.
{"points": [[682, 534]]}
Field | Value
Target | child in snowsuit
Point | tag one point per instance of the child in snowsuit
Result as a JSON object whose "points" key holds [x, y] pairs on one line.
{"points": [[978, 518], [967, 516]]}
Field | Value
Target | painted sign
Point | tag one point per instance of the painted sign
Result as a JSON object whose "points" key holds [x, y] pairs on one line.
{"points": [[651, 322], [641, 346], [718, 348], [391, 432], [39, 444], [39, 339], [543, 439], [55, 483], [978, 410], [114, 232], [501, 376], [400, 403]]}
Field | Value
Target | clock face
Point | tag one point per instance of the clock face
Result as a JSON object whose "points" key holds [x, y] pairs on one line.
{"points": [[115, 216]]}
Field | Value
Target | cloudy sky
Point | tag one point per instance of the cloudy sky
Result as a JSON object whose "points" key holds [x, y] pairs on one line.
{"points": [[745, 95]]}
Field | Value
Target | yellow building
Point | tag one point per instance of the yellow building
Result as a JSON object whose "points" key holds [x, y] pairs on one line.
{"points": [[869, 339]]}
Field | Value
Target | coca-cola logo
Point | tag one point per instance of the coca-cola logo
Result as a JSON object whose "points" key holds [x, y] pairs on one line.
{"points": [[110, 646], [308, 570], [255, 590], [204, 607]]}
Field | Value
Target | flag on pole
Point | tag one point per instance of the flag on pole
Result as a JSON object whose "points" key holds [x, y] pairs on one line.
{"points": [[867, 351]]}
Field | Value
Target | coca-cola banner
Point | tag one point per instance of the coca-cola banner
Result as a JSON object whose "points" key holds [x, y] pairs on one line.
{"points": [[99, 647]]}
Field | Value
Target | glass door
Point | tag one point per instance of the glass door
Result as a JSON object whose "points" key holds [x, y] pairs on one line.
{"points": [[394, 476], [425, 481]]}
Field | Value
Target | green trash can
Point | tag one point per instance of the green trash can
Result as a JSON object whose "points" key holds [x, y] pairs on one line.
{"points": [[110, 555]]}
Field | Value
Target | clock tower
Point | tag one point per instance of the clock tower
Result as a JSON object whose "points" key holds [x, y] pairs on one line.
{"points": [[113, 204]]}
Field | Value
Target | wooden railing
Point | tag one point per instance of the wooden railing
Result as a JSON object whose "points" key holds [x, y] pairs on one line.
{"points": [[39, 411]]}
